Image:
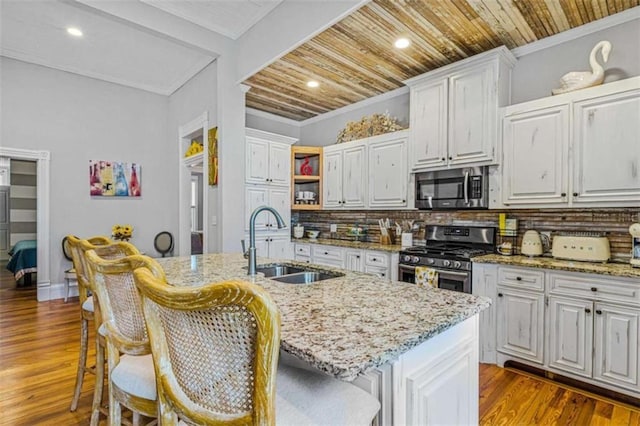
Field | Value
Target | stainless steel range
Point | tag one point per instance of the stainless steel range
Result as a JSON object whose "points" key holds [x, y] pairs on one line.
{"points": [[448, 250]]}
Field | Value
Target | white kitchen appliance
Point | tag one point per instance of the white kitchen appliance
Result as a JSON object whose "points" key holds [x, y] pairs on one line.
{"points": [[583, 246], [634, 230], [531, 244]]}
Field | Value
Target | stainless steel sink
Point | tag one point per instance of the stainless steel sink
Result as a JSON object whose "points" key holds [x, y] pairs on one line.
{"points": [[278, 270], [307, 277]]}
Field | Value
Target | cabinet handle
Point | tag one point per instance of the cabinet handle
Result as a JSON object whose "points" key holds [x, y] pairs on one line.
{"points": [[564, 194], [450, 158], [374, 259], [404, 201], [326, 252], [575, 194], [358, 256], [266, 180], [587, 310], [382, 275], [598, 311], [443, 159], [518, 278], [594, 288], [499, 294]]}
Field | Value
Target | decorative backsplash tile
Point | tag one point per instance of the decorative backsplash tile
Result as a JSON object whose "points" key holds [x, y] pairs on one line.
{"points": [[613, 223]]}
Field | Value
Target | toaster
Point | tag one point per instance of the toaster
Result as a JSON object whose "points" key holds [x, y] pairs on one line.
{"points": [[583, 248]]}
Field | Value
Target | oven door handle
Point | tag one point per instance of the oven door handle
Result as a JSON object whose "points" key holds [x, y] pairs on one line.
{"points": [[466, 187], [407, 268]]}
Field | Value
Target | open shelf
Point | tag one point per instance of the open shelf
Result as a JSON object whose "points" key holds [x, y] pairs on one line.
{"points": [[312, 157]]}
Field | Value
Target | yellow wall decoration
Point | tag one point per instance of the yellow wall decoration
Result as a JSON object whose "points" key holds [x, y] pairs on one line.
{"points": [[213, 156]]}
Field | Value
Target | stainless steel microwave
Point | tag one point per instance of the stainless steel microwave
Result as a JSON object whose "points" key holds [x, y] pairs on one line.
{"points": [[464, 188]]}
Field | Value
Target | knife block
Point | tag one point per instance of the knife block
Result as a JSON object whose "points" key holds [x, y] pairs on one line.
{"points": [[386, 240]]}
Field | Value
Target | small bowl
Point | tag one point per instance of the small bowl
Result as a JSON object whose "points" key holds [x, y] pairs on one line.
{"points": [[313, 234]]}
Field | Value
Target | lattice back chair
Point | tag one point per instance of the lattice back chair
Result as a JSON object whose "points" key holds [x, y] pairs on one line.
{"points": [[215, 349], [131, 374], [86, 309]]}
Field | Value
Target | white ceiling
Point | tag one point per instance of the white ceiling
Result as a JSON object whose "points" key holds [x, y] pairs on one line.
{"points": [[115, 50]]}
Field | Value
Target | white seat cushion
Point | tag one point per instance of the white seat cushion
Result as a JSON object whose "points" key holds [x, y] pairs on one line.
{"points": [[135, 375], [305, 397], [102, 330], [88, 304]]}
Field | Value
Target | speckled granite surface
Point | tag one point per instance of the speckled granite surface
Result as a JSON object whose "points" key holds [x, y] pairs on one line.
{"points": [[343, 326], [615, 269], [350, 244]]}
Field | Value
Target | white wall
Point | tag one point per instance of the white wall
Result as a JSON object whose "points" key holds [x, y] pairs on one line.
{"points": [[79, 119], [195, 97], [272, 125]]}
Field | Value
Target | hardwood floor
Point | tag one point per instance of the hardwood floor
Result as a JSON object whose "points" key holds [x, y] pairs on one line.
{"points": [[39, 351]]}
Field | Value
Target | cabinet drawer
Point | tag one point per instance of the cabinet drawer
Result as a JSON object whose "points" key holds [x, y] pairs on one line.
{"points": [[380, 271], [303, 250], [521, 278], [327, 252], [374, 258], [613, 289]]}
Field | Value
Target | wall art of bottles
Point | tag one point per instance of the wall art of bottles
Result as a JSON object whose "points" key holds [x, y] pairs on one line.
{"points": [[114, 179]]}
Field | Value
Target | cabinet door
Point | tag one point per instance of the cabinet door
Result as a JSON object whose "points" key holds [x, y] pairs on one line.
{"points": [[607, 149], [616, 346], [257, 161], [535, 145], [279, 200], [428, 138], [354, 176], [279, 164], [353, 260], [571, 335], [388, 177], [520, 317], [332, 175], [484, 278], [256, 196], [262, 245], [472, 114], [280, 248]]}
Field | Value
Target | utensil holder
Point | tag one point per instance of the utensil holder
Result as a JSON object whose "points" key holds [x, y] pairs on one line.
{"points": [[385, 240]]}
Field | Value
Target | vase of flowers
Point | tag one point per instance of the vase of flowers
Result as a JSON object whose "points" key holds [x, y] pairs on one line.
{"points": [[121, 232]]}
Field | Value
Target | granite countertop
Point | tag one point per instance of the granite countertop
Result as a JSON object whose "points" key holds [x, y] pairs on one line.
{"points": [[614, 269], [344, 326], [350, 244]]}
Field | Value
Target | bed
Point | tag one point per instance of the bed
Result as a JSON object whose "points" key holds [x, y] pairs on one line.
{"points": [[23, 259]]}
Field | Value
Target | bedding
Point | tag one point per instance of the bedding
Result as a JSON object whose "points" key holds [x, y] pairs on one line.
{"points": [[23, 258]]}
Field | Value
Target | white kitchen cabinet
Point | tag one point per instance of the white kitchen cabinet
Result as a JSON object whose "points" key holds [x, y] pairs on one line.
{"points": [[345, 176], [520, 320], [327, 255], [571, 335], [454, 111], [606, 152], [353, 260], [535, 151], [267, 160], [616, 346], [256, 196], [379, 383], [272, 246], [302, 252], [389, 177], [580, 149], [484, 278]]}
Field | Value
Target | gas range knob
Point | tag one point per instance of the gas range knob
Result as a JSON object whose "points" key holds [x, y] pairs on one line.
{"points": [[446, 262], [415, 259], [431, 261], [406, 258], [457, 264]]}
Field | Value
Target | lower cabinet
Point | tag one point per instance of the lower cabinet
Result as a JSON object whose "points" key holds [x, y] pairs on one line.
{"points": [[520, 317], [584, 326], [354, 260], [378, 383], [273, 246], [327, 255]]}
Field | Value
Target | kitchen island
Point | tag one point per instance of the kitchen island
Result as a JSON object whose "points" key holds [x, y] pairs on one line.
{"points": [[417, 346]]}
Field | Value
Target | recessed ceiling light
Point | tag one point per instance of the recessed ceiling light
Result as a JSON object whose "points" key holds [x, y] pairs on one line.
{"points": [[402, 43], [74, 31], [312, 83]]}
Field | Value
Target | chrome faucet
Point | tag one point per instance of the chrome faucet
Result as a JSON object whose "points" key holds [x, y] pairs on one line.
{"points": [[251, 253]]}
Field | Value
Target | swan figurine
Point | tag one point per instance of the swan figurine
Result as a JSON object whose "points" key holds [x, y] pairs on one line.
{"points": [[581, 79]]}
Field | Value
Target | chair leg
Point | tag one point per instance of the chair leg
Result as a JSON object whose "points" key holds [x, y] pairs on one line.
{"points": [[115, 412], [82, 362], [66, 289], [99, 386]]}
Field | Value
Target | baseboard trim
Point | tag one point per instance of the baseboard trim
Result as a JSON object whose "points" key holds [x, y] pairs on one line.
{"points": [[52, 291]]}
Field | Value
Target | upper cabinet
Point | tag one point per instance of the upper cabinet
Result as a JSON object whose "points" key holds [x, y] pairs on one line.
{"points": [[454, 111], [388, 177], [577, 149], [268, 159], [345, 175]]}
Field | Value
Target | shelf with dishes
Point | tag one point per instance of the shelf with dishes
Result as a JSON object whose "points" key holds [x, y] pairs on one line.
{"points": [[306, 178]]}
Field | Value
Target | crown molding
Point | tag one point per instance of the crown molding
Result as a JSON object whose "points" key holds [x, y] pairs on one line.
{"points": [[581, 31]]}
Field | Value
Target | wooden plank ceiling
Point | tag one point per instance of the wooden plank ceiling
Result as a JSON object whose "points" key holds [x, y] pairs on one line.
{"points": [[355, 59]]}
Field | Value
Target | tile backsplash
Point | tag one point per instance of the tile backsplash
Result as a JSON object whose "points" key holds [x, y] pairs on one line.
{"points": [[613, 223]]}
